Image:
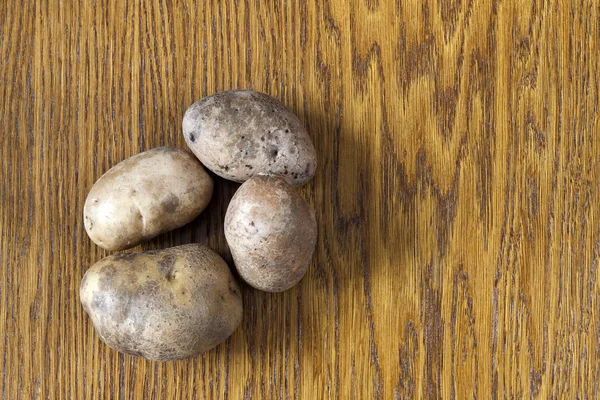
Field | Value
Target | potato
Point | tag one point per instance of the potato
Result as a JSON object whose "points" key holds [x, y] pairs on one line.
{"points": [[242, 133], [162, 305], [145, 195], [271, 232]]}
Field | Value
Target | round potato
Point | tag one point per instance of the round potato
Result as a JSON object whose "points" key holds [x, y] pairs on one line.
{"points": [[271, 232], [242, 133], [162, 305], [145, 195]]}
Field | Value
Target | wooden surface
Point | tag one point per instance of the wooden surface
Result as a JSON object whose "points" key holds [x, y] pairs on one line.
{"points": [[457, 193]]}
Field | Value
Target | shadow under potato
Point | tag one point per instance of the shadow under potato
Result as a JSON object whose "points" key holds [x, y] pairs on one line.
{"points": [[207, 228]]}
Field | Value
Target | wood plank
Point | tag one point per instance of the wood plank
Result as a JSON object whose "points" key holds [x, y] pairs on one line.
{"points": [[457, 193]]}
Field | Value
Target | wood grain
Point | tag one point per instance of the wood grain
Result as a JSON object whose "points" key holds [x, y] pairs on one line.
{"points": [[457, 193]]}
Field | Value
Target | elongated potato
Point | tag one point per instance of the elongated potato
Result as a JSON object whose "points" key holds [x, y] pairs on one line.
{"points": [[242, 133], [271, 232], [162, 305], [145, 195]]}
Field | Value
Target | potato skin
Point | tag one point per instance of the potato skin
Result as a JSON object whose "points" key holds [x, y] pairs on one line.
{"points": [[241, 133], [162, 305], [145, 195], [272, 233]]}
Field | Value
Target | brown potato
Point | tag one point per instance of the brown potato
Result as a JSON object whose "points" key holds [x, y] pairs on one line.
{"points": [[242, 133], [145, 195], [271, 232], [162, 305]]}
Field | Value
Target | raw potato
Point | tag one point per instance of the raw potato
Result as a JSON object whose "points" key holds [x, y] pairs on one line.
{"points": [[145, 195], [162, 305], [271, 232], [239, 134]]}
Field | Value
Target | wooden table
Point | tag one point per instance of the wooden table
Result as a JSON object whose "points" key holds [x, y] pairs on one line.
{"points": [[457, 193]]}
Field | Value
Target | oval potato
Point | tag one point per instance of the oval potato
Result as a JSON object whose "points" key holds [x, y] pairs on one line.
{"points": [[271, 232], [146, 195], [241, 133], [162, 305]]}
